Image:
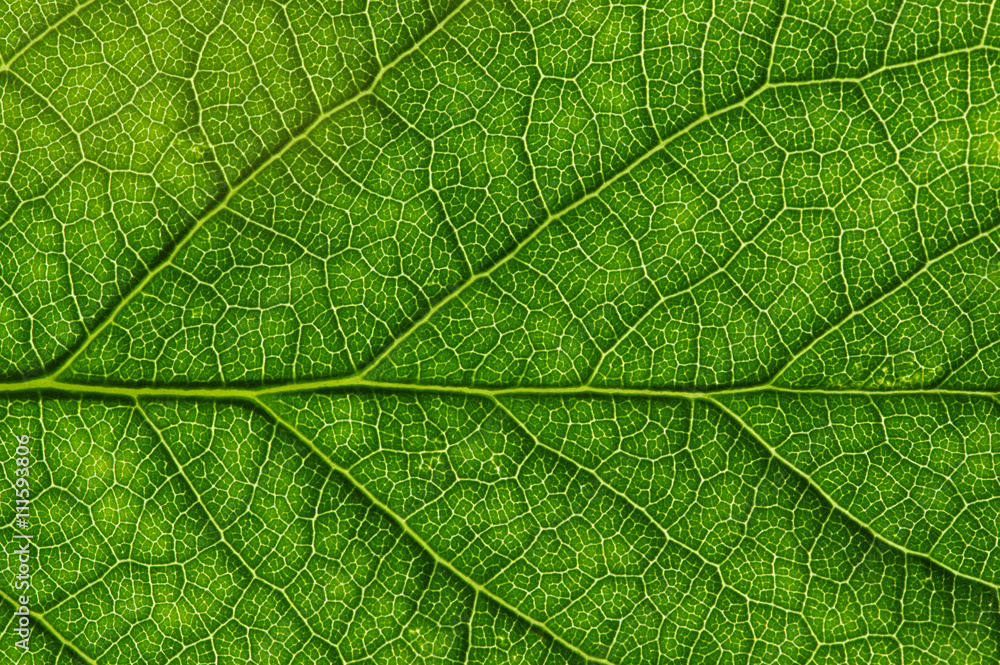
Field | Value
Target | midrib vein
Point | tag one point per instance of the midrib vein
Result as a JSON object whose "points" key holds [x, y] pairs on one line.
{"points": [[49, 384]]}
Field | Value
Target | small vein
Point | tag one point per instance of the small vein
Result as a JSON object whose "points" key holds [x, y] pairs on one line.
{"points": [[619, 175], [224, 202], [815, 486], [837, 325], [45, 33], [40, 618], [402, 523], [222, 533]]}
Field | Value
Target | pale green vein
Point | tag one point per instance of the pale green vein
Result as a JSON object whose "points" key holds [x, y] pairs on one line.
{"points": [[39, 617], [855, 519], [224, 202], [837, 325], [404, 525], [222, 533], [354, 382], [472, 623], [986, 30], [640, 508], [45, 33]]}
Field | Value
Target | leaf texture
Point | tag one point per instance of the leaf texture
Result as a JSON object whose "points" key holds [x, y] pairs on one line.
{"points": [[473, 331]]}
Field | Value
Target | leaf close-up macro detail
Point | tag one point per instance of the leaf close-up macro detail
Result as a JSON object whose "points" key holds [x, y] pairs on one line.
{"points": [[486, 331]]}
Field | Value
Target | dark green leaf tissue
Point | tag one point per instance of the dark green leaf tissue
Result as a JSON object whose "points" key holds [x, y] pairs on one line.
{"points": [[480, 331]]}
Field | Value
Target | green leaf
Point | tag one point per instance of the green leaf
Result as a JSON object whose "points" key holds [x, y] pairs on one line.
{"points": [[469, 331]]}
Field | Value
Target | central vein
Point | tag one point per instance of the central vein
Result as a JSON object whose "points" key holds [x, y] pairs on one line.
{"points": [[356, 382]]}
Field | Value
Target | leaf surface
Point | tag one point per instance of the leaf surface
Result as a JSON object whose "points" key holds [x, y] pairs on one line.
{"points": [[475, 332]]}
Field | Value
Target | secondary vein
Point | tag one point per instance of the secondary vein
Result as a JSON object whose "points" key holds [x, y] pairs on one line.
{"points": [[49, 628]]}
